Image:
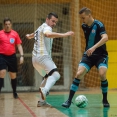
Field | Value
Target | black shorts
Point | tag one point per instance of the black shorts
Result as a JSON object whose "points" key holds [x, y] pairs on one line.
{"points": [[94, 60], [8, 62]]}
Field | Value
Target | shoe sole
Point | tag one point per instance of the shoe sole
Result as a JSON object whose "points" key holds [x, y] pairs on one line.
{"points": [[42, 96], [106, 106], [65, 106], [16, 97], [46, 105]]}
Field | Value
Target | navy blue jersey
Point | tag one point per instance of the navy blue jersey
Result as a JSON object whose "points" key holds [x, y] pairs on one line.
{"points": [[93, 35]]}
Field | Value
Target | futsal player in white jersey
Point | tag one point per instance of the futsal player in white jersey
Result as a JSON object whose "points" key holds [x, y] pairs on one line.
{"points": [[41, 58]]}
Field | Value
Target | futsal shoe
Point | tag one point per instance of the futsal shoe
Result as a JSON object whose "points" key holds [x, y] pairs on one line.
{"points": [[15, 95], [66, 104], [47, 93], [41, 104], [43, 92], [106, 104]]}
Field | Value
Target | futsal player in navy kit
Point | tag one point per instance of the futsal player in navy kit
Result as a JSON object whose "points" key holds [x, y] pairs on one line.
{"points": [[95, 55]]}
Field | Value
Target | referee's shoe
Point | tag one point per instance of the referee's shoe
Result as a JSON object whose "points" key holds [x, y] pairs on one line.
{"points": [[15, 95]]}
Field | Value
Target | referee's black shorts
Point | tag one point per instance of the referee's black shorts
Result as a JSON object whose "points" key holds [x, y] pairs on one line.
{"points": [[8, 62]]}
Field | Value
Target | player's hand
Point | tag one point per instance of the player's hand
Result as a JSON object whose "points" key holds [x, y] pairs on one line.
{"points": [[69, 33], [21, 60], [28, 36], [90, 51]]}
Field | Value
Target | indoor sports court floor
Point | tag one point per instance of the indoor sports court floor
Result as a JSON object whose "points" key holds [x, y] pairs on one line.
{"points": [[25, 106]]}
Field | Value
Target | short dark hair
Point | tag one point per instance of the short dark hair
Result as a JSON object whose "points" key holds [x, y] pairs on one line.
{"points": [[85, 10], [52, 14], [6, 19]]}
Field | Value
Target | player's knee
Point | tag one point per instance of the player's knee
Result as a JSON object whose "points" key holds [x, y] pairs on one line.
{"points": [[102, 75], [56, 75], [2, 73], [79, 74]]}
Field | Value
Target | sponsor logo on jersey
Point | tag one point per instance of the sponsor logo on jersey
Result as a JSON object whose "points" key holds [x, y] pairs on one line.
{"points": [[93, 31], [12, 40]]}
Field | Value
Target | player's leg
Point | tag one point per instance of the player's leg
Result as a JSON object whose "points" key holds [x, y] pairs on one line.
{"points": [[44, 81], [53, 75], [75, 85], [3, 67], [46, 85], [43, 85], [51, 80], [102, 67], [41, 101], [40, 69], [12, 68], [2, 75], [42, 72], [83, 68], [104, 86], [14, 84]]}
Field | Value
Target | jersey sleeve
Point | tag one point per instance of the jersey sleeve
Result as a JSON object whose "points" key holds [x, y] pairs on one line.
{"points": [[102, 29], [18, 40], [47, 29]]}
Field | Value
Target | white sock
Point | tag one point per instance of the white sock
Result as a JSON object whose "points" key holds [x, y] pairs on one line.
{"points": [[52, 80], [40, 99], [43, 83]]}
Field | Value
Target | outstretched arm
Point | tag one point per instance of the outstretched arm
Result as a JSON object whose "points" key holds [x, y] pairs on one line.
{"points": [[56, 35], [30, 36]]}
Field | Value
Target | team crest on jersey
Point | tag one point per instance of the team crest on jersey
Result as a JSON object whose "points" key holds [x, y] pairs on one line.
{"points": [[93, 31], [12, 40]]}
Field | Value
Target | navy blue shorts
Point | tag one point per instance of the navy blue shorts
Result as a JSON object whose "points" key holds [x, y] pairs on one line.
{"points": [[8, 62], [94, 60]]}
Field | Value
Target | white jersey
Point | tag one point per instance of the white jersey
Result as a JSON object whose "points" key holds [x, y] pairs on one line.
{"points": [[42, 45]]}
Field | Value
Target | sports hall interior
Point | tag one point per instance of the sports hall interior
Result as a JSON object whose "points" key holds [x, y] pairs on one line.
{"points": [[27, 16]]}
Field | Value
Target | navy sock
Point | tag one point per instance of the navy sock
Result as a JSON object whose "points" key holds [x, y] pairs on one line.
{"points": [[73, 88], [104, 87]]}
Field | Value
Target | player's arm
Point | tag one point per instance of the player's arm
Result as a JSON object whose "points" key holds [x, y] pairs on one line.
{"points": [[30, 36], [56, 35], [104, 39], [20, 49]]}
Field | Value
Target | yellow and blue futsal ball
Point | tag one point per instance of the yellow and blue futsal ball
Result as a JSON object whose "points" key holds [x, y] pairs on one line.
{"points": [[81, 101]]}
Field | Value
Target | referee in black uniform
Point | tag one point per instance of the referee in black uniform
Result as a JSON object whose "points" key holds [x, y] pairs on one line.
{"points": [[8, 40]]}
